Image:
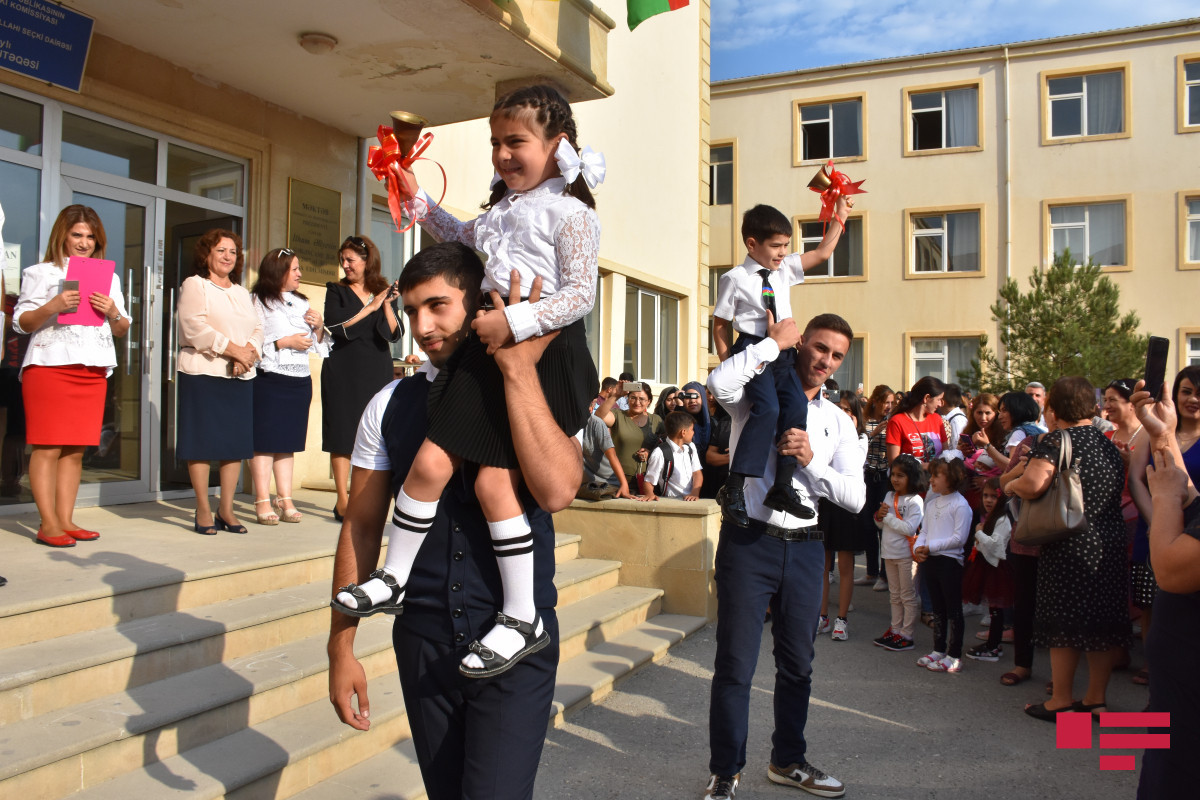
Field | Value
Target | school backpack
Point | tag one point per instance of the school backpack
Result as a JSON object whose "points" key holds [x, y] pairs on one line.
{"points": [[668, 455]]}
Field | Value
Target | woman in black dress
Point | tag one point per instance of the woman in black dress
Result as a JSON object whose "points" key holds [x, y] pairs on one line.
{"points": [[1082, 581], [360, 316]]}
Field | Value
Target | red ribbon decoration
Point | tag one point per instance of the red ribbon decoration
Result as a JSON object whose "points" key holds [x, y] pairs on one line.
{"points": [[839, 186], [388, 164]]}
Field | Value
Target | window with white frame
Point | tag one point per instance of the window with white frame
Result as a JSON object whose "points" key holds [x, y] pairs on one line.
{"points": [[943, 358], [1094, 230], [1087, 105], [1191, 92], [651, 346], [714, 280], [720, 175], [1193, 229], [945, 119], [847, 258], [831, 130], [1193, 350], [849, 375], [945, 242]]}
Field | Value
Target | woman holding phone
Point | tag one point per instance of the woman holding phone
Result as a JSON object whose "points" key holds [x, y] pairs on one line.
{"points": [[363, 323], [64, 377]]}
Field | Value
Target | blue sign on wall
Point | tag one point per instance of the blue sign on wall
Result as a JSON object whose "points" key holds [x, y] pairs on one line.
{"points": [[44, 41]]}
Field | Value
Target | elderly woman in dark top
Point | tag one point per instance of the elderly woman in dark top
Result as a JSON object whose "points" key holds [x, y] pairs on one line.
{"points": [[359, 314], [1082, 585]]}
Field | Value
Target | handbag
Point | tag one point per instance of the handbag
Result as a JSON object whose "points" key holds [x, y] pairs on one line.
{"points": [[1058, 513]]}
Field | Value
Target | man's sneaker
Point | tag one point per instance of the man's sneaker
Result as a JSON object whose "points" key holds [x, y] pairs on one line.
{"points": [[945, 664], [822, 625], [807, 777], [722, 787], [926, 660], [839, 630], [865, 580], [981, 652], [985, 621], [881, 585], [898, 642]]}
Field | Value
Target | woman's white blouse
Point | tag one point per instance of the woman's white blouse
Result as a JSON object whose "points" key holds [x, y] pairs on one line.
{"points": [[544, 233], [55, 345], [284, 319]]}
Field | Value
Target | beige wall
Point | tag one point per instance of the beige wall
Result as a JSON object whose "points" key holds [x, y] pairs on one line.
{"points": [[1151, 167]]}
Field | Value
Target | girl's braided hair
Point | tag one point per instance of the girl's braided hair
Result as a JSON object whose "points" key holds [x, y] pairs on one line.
{"points": [[550, 112]]}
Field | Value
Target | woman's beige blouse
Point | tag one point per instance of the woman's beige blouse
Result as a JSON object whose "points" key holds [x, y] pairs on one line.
{"points": [[211, 317]]}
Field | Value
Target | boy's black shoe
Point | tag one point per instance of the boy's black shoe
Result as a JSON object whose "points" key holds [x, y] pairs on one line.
{"points": [[733, 505], [786, 498]]}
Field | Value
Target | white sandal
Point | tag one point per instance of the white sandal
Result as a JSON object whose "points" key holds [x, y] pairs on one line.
{"points": [[286, 515], [270, 518]]}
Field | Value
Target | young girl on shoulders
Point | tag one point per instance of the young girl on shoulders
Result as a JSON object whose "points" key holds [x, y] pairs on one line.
{"points": [[899, 519], [987, 574], [540, 224], [939, 546]]}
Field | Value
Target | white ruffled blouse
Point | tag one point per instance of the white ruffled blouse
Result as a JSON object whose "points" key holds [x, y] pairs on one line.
{"points": [[55, 345], [284, 319], [542, 232]]}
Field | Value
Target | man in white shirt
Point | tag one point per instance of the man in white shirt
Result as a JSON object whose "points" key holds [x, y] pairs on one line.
{"points": [[1038, 392], [778, 561]]}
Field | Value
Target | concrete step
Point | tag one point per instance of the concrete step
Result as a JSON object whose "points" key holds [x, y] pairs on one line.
{"points": [[276, 758], [394, 775], [55, 754], [583, 577], [57, 673], [604, 616]]}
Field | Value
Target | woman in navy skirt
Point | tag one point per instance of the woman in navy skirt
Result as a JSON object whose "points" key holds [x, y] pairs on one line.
{"points": [[221, 341], [292, 330]]}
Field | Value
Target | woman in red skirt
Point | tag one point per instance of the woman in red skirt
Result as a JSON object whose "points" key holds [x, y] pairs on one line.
{"points": [[64, 378]]}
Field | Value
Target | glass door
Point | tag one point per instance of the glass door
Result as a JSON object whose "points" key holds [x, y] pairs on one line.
{"points": [[119, 468]]}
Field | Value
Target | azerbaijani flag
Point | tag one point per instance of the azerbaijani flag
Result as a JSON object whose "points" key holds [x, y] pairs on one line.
{"points": [[642, 10]]}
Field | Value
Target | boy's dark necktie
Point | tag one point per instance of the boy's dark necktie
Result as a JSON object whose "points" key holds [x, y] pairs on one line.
{"points": [[768, 294]]}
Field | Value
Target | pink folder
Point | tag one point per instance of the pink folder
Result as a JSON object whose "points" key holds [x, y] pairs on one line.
{"points": [[94, 275]]}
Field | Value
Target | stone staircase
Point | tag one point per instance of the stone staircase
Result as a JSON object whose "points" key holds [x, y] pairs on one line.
{"points": [[214, 684]]}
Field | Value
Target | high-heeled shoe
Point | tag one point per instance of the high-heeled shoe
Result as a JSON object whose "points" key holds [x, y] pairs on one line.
{"points": [[336, 516], [225, 526], [206, 530], [269, 518], [288, 514]]}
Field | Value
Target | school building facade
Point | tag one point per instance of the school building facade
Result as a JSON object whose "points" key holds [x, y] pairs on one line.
{"points": [[257, 117], [980, 165]]}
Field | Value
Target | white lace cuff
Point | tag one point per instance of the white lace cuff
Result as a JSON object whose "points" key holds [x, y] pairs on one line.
{"points": [[522, 321]]}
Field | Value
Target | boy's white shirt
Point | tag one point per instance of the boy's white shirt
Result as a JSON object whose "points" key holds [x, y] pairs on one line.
{"points": [[739, 294], [687, 462]]}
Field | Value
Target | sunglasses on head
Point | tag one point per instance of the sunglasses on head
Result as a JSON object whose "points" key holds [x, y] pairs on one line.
{"points": [[358, 243], [287, 251], [688, 395]]}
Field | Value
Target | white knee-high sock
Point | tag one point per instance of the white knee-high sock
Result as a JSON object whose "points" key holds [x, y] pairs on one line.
{"points": [[410, 524], [512, 543]]}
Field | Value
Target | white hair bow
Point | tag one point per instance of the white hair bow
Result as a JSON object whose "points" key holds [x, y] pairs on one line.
{"points": [[571, 164]]}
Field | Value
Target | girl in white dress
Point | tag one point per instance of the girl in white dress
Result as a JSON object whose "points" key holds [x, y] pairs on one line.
{"points": [[540, 222]]}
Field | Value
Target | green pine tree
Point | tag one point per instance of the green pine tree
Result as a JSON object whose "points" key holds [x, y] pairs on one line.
{"points": [[1068, 323]]}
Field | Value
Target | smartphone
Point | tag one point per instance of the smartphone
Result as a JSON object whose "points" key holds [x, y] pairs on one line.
{"points": [[631, 386], [70, 286], [1156, 365]]}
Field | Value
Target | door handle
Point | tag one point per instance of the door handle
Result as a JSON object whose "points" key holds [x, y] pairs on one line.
{"points": [[171, 339], [147, 314], [129, 334]]}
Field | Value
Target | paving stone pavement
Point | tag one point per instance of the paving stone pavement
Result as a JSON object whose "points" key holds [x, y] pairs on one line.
{"points": [[879, 723]]}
